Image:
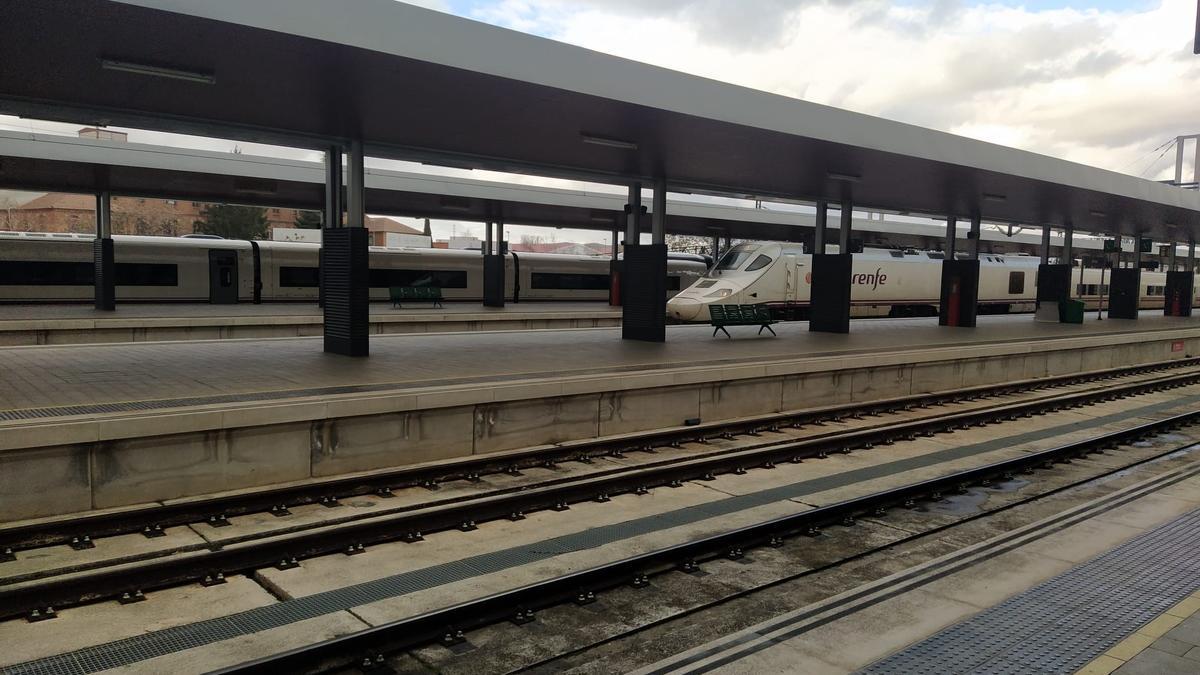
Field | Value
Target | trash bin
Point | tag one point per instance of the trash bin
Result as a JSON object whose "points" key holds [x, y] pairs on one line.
{"points": [[1071, 311]]}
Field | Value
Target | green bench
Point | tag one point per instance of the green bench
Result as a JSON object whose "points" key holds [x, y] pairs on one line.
{"points": [[401, 294], [721, 316]]}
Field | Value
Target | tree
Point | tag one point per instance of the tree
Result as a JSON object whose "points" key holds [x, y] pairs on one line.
{"points": [[233, 222], [309, 220]]}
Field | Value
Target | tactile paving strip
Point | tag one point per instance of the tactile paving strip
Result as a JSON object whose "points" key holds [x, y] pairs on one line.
{"points": [[171, 640], [1062, 624]]}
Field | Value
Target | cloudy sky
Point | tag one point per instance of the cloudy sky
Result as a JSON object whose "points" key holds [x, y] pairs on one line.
{"points": [[1102, 82]]}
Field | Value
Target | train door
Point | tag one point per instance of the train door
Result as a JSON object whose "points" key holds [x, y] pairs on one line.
{"points": [[222, 277], [792, 283]]}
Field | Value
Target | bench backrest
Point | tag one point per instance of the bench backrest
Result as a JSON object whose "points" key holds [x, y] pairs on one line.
{"points": [[734, 314], [399, 293]]}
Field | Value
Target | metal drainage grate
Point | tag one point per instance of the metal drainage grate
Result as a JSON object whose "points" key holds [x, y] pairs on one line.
{"points": [[1062, 624]]}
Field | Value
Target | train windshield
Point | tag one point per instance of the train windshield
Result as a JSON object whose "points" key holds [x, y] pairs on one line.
{"points": [[735, 257]]}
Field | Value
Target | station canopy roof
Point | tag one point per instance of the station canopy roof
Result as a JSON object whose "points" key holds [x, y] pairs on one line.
{"points": [[422, 85], [51, 163]]}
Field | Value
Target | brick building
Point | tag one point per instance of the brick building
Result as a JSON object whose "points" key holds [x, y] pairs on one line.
{"points": [[62, 212]]}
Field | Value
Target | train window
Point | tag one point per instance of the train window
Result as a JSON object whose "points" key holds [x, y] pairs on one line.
{"points": [[42, 273], [759, 263], [897, 254], [387, 278], [147, 274], [735, 257], [1016, 283], [936, 255], [574, 282], [706, 283], [299, 277], [56, 273]]}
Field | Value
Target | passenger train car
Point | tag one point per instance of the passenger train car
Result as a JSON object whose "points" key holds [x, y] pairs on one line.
{"points": [[884, 283], [50, 267]]}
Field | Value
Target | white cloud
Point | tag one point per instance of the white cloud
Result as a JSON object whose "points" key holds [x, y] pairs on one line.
{"points": [[1099, 87]]}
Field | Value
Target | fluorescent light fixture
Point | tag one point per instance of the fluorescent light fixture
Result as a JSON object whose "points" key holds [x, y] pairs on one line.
{"points": [[847, 177], [1098, 214], [608, 142], [451, 203], [157, 71], [255, 186], [989, 197], [603, 218]]}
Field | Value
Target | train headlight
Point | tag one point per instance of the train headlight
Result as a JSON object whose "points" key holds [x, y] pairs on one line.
{"points": [[720, 293]]}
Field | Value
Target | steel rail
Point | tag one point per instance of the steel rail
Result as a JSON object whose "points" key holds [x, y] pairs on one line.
{"points": [[152, 520], [284, 550], [448, 624]]}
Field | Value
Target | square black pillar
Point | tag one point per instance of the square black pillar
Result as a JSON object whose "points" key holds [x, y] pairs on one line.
{"points": [[1053, 283], [960, 293], [644, 293], [1178, 294], [346, 279], [1054, 286], [830, 292], [105, 278], [614, 283], [493, 280], [1123, 293]]}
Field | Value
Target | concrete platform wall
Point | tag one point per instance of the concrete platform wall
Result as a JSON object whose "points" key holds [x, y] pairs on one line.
{"points": [[76, 465], [72, 332]]}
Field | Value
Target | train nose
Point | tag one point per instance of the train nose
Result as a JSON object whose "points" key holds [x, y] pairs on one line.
{"points": [[684, 309]]}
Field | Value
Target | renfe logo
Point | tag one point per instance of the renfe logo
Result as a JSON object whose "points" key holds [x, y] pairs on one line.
{"points": [[875, 279]]}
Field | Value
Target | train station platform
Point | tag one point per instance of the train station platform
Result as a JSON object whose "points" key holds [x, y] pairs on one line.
{"points": [[1112, 585], [81, 324], [101, 426]]}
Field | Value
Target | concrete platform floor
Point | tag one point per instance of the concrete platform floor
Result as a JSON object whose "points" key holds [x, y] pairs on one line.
{"points": [[47, 376]]}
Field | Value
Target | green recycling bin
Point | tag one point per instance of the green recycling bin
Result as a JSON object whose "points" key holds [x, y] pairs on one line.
{"points": [[1071, 311]]}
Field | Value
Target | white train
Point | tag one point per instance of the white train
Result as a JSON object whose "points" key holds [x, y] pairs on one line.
{"points": [[884, 283], [53, 267]]}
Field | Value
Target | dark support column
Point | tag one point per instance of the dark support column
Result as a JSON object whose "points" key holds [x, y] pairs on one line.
{"points": [[1068, 252], [614, 268], [844, 231], [973, 238], [633, 212], [821, 227], [346, 273], [493, 268], [103, 256], [1180, 287], [644, 274], [1123, 292], [1045, 252], [960, 293], [1053, 289], [959, 301], [829, 294], [333, 210], [1177, 300]]}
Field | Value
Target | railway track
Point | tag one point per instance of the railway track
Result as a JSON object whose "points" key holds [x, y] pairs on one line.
{"points": [[25, 595], [370, 649]]}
